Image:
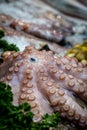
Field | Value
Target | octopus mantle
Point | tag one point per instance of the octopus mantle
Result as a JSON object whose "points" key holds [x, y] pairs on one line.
{"points": [[49, 83]]}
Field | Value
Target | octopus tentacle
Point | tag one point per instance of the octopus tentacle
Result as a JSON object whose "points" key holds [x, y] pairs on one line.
{"points": [[28, 90], [72, 66], [61, 101], [69, 82], [42, 31]]}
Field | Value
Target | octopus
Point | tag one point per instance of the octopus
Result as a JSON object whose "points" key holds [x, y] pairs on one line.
{"points": [[49, 83], [42, 31], [22, 40]]}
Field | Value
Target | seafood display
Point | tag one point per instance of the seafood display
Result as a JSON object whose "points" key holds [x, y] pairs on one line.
{"points": [[47, 82], [50, 70]]}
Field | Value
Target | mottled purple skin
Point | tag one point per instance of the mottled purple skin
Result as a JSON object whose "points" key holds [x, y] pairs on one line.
{"points": [[48, 83]]}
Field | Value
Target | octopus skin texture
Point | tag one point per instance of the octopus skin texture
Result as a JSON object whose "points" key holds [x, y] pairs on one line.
{"points": [[48, 82], [52, 34], [43, 32]]}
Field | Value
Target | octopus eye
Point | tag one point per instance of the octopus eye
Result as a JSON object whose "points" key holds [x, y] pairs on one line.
{"points": [[33, 59]]}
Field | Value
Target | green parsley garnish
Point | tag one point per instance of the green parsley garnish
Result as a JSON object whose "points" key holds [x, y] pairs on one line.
{"points": [[5, 45], [2, 33]]}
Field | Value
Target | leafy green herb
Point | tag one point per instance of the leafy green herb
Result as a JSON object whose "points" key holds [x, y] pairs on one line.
{"points": [[20, 117], [2, 33], [8, 47], [49, 121], [5, 45]]}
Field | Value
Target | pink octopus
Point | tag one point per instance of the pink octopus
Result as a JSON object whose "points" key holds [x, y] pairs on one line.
{"points": [[48, 82]]}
